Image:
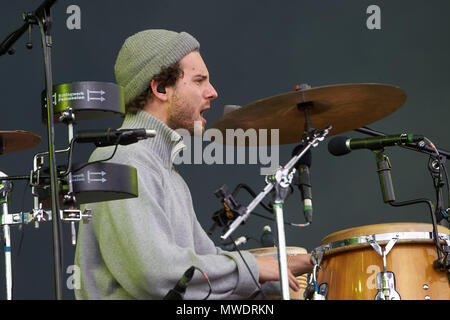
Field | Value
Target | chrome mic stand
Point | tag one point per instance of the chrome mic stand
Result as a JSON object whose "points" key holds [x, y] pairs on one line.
{"points": [[280, 181]]}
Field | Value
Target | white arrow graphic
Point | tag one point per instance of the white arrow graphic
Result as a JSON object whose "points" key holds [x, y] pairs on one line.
{"points": [[100, 92], [93, 179]]}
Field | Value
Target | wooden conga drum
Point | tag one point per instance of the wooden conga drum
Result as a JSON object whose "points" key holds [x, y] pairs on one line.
{"points": [[352, 267], [291, 251]]}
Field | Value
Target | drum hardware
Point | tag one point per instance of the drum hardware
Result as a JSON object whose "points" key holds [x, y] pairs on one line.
{"points": [[279, 182], [416, 241], [385, 281], [35, 180], [313, 291], [87, 100], [5, 192], [100, 99], [42, 18], [67, 215]]}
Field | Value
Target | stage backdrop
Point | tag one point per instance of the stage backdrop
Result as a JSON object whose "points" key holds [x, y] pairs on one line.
{"points": [[254, 50]]}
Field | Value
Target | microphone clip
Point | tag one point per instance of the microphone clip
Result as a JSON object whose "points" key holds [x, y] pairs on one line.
{"points": [[231, 208]]}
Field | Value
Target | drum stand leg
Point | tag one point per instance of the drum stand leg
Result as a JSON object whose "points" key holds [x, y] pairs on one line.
{"points": [[5, 188], [8, 264]]}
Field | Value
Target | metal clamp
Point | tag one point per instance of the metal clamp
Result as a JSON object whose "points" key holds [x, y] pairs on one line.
{"points": [[385, 281]]}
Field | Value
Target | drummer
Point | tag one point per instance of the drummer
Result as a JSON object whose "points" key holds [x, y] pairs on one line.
{"points": [[139, 248]]}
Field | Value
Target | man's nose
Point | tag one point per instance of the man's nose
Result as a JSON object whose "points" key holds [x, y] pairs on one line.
{"points": [[212, 93]]}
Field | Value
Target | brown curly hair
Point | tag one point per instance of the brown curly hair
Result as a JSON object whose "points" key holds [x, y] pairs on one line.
{"points": [[167, 77]]}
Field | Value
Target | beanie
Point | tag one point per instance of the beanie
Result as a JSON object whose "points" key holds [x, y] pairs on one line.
{"points": [[144, 54]]}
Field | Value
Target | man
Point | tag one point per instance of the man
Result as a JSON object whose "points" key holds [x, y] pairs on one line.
{"points": [[139, 248]]}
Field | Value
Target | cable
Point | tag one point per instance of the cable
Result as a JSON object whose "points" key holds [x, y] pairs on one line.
{"points": [[429, 203], [69, 167], [207, 280], [448, 186], [248, 268]]}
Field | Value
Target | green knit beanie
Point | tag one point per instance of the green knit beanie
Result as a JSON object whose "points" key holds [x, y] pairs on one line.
{"points": [[144, 54]]}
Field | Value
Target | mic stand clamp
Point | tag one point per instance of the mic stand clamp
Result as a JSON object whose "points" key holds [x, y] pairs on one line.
{"points": [[232, 209]]}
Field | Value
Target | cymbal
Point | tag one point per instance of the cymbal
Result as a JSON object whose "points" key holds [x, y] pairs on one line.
{"points": [[345, 107], [17, 140]]}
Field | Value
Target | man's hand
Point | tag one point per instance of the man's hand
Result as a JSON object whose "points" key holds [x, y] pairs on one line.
{"points": [[300, 264], [268, 271], [297, 265]]}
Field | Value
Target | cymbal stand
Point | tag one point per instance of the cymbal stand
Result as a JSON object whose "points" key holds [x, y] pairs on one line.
{"points": [[5, 189], [280, 181]]}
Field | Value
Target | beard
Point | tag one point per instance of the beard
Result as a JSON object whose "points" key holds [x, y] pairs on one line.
{"points": [[181, 115]]}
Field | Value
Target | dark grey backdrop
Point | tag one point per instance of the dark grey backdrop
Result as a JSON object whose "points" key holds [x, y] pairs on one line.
{"points": [[253, 49]]}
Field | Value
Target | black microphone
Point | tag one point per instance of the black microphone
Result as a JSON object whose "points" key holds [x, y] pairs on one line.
{"points": [[177, 293], [340, 145], [304, 183], [102, 138], [267, 239]]}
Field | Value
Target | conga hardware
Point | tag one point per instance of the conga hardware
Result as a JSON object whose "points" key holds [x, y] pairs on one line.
{"points": [[410, 248]]}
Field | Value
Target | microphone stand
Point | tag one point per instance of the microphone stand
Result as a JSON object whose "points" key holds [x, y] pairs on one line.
{"points": [[41, 17], [443, 253], [433, 167], [280, 181], [412, 146]]}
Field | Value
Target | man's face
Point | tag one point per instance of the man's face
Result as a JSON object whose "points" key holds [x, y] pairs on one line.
{"points": [[191, 95]]}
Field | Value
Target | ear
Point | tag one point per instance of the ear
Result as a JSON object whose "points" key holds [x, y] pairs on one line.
{"points": [[158, 90]]}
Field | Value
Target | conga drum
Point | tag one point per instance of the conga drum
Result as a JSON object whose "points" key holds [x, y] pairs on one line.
{"points": [[291, 251], [383, 262]]}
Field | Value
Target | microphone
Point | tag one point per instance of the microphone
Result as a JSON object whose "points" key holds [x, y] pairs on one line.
{"points": [[304, 183], [177, 293], [239, 241], [267, 239], [340, 145], [102, 138]]}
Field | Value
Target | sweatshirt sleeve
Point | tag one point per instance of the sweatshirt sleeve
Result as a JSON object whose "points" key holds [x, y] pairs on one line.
{"points": [[138, 246]]}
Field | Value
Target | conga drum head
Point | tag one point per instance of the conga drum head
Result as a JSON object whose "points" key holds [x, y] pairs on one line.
{"points": [[352, 266]]}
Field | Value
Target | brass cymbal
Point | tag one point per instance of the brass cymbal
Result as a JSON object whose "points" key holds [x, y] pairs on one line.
{"points": [[17, 140], [345, 107]]}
